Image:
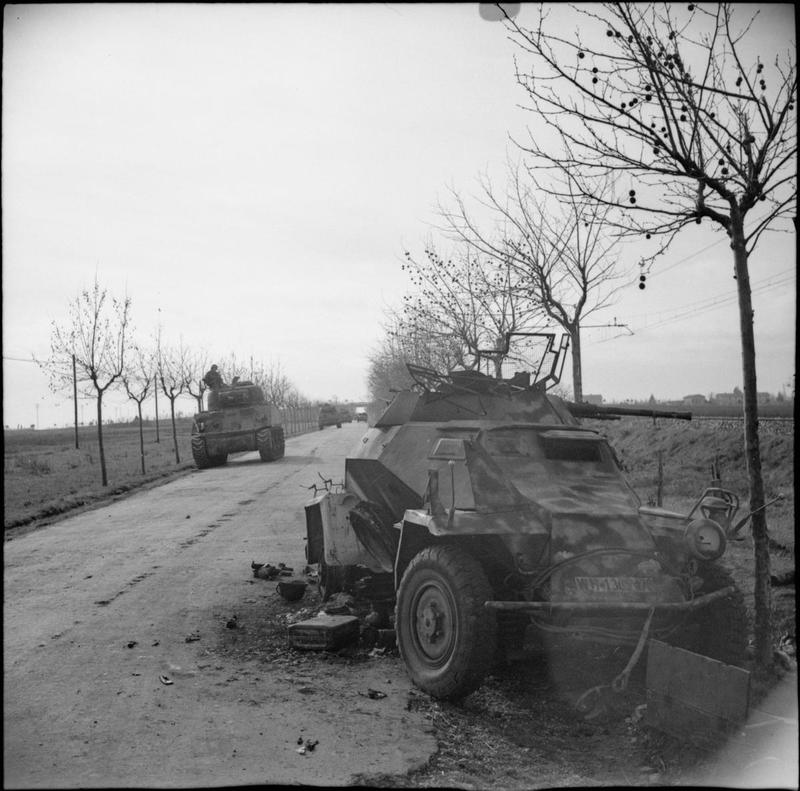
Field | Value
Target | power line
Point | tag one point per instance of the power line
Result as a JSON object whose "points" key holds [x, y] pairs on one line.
{"points": [[718, 302], [713, 303], [684, 260], [707, 300], [20, 359]]}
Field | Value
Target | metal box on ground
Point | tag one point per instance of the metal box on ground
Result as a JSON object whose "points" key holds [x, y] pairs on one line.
{"points": [[693, 697], [324, 632]]}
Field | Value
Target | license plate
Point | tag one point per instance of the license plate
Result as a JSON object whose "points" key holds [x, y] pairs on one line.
{"points": [[614, 584]]}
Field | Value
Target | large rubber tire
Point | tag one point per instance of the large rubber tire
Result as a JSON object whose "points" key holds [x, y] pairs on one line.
{"points": [[719, 630], [271, 443], [445, 635]]}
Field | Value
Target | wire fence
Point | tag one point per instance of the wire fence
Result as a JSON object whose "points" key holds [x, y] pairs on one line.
{"points": [[299, 420]]}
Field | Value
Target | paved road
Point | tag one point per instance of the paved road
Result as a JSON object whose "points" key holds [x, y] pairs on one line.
{"points": [[82, 709]]}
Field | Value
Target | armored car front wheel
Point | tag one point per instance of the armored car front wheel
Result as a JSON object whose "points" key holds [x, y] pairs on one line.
{"points": [[445, 635]]}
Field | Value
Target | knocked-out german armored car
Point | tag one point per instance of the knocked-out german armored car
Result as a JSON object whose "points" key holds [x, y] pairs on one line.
{"points": [[238, 419], [485, 507]]}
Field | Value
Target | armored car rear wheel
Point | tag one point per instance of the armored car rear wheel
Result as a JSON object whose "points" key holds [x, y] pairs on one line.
{"points": [[445, 635]]}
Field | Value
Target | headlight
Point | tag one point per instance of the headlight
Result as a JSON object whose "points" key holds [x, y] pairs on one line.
{"points": [[705, 539]]}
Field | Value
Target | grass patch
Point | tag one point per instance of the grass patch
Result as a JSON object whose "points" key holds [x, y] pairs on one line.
{"points": [[44, 474]]}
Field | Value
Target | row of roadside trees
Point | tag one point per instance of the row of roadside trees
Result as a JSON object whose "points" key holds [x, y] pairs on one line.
{"points": [[646, 119], [95, 351]]}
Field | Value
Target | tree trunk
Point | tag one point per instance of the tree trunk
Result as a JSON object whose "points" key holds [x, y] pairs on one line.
{"points": [[577, 375], [141, 436], [155, 395], [174, 430], [762, 587], [101, 449]]}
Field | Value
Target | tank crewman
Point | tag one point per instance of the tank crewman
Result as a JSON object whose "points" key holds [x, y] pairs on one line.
{"points": [[213, 380]]}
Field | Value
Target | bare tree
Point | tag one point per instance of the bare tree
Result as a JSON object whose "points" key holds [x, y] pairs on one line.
{"points": [[469, 301], [173, 375], [96, 333], [558, 247], [670, 100], [233, 368], [196, 367], [278, 388], [138, 381], [422, 342]]}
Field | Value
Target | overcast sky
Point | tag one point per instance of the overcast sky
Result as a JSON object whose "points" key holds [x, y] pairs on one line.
{"points": [[251, 174]]}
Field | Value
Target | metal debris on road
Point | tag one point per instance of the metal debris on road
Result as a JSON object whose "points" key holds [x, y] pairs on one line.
{"points": [[292, 590], [166, 680], [190, 638], [308, 747], [132, 643], [266, 571], [375, 694], [233, 623]]}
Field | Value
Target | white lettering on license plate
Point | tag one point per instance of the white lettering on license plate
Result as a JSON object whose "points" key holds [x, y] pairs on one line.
{"points": [[614, 584]]}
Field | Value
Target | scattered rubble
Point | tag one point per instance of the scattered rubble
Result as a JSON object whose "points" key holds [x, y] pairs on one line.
{"points": [[266, 571], [306, 746], [374, 694], [292, 590], [340, 604]]}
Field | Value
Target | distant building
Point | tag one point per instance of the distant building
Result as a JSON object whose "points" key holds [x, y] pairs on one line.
{"points": [[736, 398], [728, 399], [593, 398], [694, 400]]}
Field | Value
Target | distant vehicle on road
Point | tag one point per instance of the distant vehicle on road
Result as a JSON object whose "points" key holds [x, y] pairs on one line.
{"points": [[361, 414], [329, 415]]}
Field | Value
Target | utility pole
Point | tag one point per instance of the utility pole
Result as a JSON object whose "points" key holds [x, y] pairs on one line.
{"points": [[75, 397], [158, 369]]}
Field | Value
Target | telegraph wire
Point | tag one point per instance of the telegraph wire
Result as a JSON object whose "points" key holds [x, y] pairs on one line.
{"points": [[713, 303], [708, 305], [660, 271], [700, 303], [20, 359]]}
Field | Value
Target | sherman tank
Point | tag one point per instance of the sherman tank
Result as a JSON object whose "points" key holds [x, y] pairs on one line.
{"points": [[238, 419], [482, 507]]}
